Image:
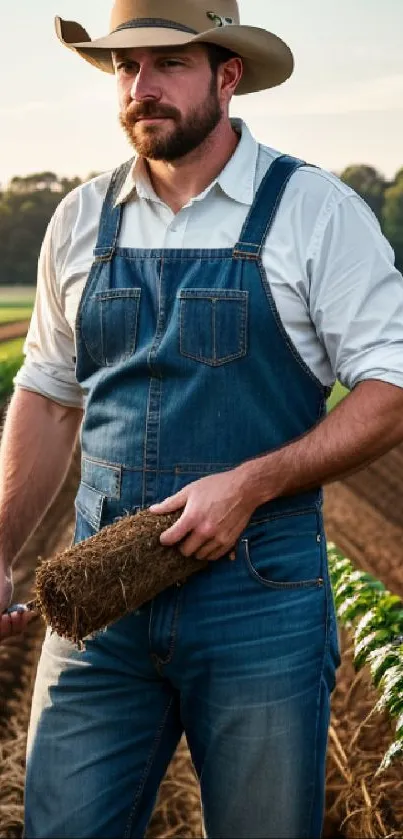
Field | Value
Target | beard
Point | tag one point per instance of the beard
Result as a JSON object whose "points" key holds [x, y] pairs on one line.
{"points": [[158, 142]]}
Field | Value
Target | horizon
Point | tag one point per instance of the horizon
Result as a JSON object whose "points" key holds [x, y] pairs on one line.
{"points": [[342, 106]]}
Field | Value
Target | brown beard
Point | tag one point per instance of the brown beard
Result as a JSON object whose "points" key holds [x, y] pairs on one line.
{"points": [[187, 134]]}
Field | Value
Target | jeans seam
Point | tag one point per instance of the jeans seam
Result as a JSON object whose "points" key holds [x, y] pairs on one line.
{"points": [[321, 682], [174, 629], [147, 769]]}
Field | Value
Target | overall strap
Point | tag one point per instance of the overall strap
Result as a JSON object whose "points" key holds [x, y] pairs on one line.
{"points": [[111, 216], [265, 206]]}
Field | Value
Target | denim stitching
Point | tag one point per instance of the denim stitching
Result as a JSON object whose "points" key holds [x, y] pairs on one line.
{"points": [[203, 255], [117, 474], [145, 470], [246, 256], [249, 224], [174, 628], [310, 808], [318, 582], [213, 294], [117, 294], [298, 358], [132, 313], [274, 516], [95, 522], [277, 203], [147, 769], [201, 467], [242, 304]]}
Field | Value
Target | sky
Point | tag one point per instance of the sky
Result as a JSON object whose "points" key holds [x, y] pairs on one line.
{"points": [[343, 104]]}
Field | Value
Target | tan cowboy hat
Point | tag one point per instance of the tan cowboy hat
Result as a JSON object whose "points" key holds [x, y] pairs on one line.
{"points": [[267, 60]]}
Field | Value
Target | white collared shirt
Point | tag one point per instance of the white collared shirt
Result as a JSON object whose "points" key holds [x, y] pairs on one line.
{"points": [[331, 271]]}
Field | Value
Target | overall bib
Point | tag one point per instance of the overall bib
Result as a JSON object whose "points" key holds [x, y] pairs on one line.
{"points": [[188, 371]]}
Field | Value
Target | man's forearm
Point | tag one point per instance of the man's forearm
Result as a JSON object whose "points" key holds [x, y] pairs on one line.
{"points": [[367, 424], [35, 453]]}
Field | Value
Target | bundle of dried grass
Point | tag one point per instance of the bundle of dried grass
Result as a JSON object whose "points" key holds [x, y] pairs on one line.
{"points": [[177, 811], [96, 582]]}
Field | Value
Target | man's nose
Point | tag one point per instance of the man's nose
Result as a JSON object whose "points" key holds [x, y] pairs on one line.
{"points": [[145, 86]]}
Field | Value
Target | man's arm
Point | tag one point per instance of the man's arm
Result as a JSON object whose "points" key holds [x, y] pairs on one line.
{"points": [[217, 508], [35, 453], [365, 425]]}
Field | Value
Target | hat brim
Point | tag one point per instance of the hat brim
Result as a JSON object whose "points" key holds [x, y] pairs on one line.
{"points": [[267, 60]]}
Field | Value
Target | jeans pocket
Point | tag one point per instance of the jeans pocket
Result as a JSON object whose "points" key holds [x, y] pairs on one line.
{"points": [[89, 506], [213, 325], [285, 552], [113, 316]]}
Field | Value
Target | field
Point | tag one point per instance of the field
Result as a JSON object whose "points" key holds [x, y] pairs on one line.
{"points": [[17, 296], [15, 311]]}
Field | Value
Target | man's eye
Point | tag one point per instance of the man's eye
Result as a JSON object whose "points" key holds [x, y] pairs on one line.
{"points": [[172, 62], [125, 67]]}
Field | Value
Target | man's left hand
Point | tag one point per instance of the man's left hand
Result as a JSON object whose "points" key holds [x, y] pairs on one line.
{"points": [[217, 509]]}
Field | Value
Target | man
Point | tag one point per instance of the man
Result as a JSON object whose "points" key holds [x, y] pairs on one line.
{"points": [[197, 306]]}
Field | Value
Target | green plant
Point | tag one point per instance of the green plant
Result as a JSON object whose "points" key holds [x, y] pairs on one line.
{"points": [[375, 618]]}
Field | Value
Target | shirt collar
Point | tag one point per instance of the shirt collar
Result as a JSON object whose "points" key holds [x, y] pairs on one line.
{"points": [[237, 179]]}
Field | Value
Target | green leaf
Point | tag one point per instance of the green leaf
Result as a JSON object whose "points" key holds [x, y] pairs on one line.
{"points": [[367, 644], [393, 751], [370, 620], [380, 660], [352, 607], [391, 686]]}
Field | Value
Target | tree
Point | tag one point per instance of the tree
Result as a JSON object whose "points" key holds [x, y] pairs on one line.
{"points": [[393, 217], [369, 184]]}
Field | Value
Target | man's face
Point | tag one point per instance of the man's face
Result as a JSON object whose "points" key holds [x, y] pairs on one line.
{"points": [[169, 102]]}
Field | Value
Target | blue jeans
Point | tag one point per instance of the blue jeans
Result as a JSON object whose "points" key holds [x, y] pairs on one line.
{"points": [[242, 657]]}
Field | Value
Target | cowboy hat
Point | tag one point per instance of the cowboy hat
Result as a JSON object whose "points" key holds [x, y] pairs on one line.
{"points": [[267, 60]]}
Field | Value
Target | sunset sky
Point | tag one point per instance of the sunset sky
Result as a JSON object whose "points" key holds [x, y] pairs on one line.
{"points": [[344, 103]]}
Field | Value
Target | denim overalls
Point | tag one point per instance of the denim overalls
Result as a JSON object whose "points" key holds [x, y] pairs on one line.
{"points": [[188, 371]]}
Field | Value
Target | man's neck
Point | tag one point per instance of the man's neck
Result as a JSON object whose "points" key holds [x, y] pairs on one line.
{"points": [[178, 182]]}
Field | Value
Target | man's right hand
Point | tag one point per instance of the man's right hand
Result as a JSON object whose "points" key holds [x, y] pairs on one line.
{"points": [[16, 622]]}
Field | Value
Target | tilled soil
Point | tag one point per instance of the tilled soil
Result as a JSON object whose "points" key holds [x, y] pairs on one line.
{"points": [[363, 518], [8, 331]]}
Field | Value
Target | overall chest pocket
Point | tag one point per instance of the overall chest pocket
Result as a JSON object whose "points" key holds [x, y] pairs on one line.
{"points": [[110, 325], [213, 326]]}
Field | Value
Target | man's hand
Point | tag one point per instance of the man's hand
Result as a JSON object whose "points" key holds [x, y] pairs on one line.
{"points": [[16, 622], [217, 509]]}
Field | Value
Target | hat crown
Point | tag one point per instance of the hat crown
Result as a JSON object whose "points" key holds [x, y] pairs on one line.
{"points": [[197, 15]]}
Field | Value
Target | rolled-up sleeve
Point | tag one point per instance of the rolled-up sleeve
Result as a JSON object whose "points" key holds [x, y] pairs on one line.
{"points": [[49, 367], [356, 296]]}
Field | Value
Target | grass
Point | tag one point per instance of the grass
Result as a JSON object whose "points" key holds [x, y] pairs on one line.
{"points": [[10, 362], [12, 314]]}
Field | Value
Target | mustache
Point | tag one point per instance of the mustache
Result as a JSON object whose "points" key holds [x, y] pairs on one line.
{"points": [[148, 110]]}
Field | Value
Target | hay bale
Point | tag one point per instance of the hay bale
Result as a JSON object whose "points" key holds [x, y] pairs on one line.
{"points": [[97, 581]]}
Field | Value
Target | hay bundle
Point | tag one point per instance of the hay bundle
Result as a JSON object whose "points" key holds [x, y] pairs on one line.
{"points": [[99, 580]]}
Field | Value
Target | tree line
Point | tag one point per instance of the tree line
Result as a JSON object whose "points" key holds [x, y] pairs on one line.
{"points": [[27, 204]]}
